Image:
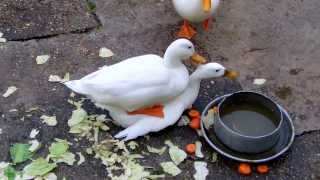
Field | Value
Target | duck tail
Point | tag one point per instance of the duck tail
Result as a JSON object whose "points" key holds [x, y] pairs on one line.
{"points": [[75, 86]]}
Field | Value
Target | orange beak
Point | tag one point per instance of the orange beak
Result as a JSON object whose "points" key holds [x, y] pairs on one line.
{"points": [[206, 5]]}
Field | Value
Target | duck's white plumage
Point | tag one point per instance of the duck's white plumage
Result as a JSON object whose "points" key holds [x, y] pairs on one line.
{"points": [[139, 81], [139, 125], [192, 10]]}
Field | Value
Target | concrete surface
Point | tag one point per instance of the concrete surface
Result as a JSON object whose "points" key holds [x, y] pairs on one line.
{"points": [[275, 40], [24, 20]]}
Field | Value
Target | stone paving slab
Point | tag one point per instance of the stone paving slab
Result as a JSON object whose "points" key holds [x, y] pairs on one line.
{"points": [[20, 20], [135, 16], [275, 40]]}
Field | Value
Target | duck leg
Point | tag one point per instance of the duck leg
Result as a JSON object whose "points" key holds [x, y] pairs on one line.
{"points": [[206, 24], [186, 30]]}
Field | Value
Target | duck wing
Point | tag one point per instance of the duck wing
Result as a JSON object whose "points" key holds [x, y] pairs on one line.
{"points": [[131, 75], [131, 84]]}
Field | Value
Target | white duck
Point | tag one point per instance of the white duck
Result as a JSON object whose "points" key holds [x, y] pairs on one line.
{"points": [[194, 11], [139, 125], [141, 81]]}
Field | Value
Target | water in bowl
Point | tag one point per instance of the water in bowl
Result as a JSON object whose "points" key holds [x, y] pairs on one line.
{"points": [[249, 120]]}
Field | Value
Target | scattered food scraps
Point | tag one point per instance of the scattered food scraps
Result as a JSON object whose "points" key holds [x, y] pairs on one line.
{"points": [[34, 145], [68, 158], [105, 52], [32, 109], [199, 132], [214, 157], [58, 148], [263, 169], [157, 151], [194, 113], [34, 133], [19, 152], [13, 110], [56, 78], [49, 176], [10, 173], [39, 167], [184, 121], [3, 167], [170, 168], [195, 123], [42, 59], [201, 170], [208, 120], [10, 91], [72, 94], [191, 148], [244, 169], [198, 149], [78, 116], [81, 159], [2, 40], [133, 145], [59, 152], [259, 81], [49, 120], [0, 131], [177, 155]]}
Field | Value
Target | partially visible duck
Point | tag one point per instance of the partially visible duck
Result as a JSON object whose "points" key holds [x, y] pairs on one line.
{"points": [[194, 11], [141, 81]]}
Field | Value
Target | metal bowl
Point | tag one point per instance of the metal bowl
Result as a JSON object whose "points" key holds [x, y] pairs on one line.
{"points": [[283, 144], [239, 141]]}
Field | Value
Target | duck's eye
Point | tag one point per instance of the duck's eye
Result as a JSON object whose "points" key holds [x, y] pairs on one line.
{"points": [[217, 70], [189, 47]]}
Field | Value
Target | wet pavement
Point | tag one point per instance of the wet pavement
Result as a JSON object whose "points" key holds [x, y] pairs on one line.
{"points": [[277, 41]]}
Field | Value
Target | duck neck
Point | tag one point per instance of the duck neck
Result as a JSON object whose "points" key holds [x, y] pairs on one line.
{"points": [[191, 93], [171, 60], [196, 76]]}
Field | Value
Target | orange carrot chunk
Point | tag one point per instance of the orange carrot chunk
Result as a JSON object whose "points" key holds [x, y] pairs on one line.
{"points": [[244, 169], [195, 123], [263, 169], [190, 148], [194, 113]]}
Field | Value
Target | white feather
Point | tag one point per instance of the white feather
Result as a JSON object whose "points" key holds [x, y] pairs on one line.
{"points": [[192, 10]]}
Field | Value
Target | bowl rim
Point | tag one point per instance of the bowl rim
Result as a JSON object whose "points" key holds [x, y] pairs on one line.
{"points": [[248, 136], [239, 158]]}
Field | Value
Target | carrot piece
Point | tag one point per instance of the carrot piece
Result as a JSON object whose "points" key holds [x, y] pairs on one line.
{"points": [[244, 169], [194, 113], [190, 148], [263, 169], [195, 123]]}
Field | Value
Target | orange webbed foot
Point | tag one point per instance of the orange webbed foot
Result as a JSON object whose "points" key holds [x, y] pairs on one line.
{"points": [[156, 111], [186, 31]]}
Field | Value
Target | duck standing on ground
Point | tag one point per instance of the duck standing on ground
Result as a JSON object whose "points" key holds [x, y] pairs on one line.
{"points": [[194, 11], [142, 81]]}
